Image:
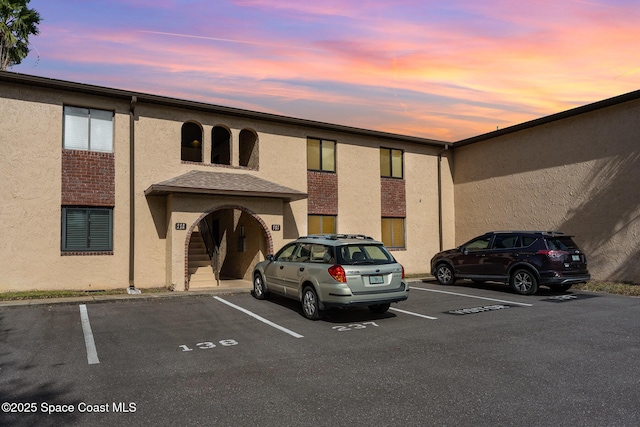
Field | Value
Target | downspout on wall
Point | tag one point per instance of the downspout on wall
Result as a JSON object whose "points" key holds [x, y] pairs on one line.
{"points": [[132, 193], [440, 226]]}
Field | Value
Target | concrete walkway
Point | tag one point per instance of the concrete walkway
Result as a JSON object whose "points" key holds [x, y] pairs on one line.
{"points": [[226, 287]]}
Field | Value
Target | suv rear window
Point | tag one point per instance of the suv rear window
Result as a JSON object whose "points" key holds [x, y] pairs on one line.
{"points": [[561, 243], [364, 254]]}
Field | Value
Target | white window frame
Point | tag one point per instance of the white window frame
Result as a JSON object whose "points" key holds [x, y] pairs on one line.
{"points": [[88, 129]]}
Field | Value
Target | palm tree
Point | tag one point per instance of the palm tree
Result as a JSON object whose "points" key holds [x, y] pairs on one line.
{"points": [[17, 23]]}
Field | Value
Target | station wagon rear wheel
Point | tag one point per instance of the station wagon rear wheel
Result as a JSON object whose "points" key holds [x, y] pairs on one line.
{"points": [[445, 275], [259, 289], [524, 282], [310, 304]]}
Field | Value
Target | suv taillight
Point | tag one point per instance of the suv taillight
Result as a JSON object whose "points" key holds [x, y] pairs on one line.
{"points": [[552, 254], [337, 272], [402, 271]]}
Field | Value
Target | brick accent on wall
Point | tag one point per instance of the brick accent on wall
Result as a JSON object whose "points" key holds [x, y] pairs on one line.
{"points": [[394, 201], [88, 178], [322, 190]]}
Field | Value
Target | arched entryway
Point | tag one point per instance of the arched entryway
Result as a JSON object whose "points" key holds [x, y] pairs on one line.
{"points": [[223, 245]]}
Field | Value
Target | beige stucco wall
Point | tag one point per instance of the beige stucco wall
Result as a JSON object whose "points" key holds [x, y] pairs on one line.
{"points": [[359, 198], [578, 175], [160, 259], [30, 212], [30, 196]]}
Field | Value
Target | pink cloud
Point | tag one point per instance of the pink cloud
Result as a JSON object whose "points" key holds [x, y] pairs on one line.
{"points": [[444, 78]]}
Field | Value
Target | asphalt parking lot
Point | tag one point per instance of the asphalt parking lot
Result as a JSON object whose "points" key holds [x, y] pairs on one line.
{"points": [[458, 355]]}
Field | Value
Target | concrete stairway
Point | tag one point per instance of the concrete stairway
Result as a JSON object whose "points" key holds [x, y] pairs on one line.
{"points": [[201, 273]]}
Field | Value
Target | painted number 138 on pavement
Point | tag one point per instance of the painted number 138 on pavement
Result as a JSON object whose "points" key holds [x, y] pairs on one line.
{"points": [[208, 344]]}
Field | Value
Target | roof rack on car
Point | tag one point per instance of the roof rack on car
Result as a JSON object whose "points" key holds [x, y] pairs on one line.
{"points": [[336, 236], [530, 231]]}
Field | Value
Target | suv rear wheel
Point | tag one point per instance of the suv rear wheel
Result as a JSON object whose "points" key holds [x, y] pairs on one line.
{"points": [[524, 282], [445, 275]]}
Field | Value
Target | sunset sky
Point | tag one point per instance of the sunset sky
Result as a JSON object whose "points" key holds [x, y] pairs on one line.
{"points": [[445, 70]]}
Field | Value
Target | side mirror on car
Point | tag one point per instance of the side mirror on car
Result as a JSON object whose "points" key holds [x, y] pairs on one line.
{"points": [[270, 257]]}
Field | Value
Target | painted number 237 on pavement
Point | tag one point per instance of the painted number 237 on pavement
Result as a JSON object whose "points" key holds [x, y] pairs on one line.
{"points": [[354, 326]]}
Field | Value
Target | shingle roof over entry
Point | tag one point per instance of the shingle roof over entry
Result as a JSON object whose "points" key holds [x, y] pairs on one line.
{"points": [[228, 184]]}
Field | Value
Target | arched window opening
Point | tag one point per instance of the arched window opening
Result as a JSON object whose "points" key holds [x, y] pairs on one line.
{"points": [[221, 146], [248, 149], [191, 145]]}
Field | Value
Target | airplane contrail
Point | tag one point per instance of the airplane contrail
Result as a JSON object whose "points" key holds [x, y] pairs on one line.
{"points": [[226, 40]]}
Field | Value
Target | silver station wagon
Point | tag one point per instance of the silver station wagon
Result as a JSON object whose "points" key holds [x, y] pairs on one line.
{"points": [[337, 270]]}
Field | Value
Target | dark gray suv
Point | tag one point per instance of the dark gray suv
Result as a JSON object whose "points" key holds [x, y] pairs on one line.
{"points": [[523, 259], [337, 270]]}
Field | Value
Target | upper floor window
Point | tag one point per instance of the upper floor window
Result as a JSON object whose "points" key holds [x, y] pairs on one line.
{"points": [[88, 129], [248, 149], [191, 143], [321, 155], [321, 224], [391, 163], [221, 146]]}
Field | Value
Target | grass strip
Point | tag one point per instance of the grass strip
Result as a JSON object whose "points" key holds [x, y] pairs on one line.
{"points": [[28, 295], [609, 288]]}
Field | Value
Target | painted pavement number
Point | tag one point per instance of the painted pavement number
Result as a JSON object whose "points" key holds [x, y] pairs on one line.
{"points": [[483, 309], [206, 345], [567, 298], [354, 326]]}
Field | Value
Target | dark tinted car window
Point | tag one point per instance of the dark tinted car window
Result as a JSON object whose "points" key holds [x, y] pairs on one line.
{"points": [[528, 241], [561, 244], [478, 244], [364, 254], [505, 241]]}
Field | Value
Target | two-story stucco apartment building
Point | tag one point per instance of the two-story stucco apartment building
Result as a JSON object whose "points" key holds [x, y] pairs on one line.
{"points": [[103, 188]]}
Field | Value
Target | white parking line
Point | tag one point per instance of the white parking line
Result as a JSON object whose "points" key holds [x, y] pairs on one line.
{"points": [[413, 314], [472, 296], [92, 353], [262, 319]]}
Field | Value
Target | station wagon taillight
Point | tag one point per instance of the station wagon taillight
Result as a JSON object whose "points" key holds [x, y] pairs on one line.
{"points": [[337, 272]]}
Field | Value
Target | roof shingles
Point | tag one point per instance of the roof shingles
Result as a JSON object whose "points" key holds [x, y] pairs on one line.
{"points": [[217, 183]]}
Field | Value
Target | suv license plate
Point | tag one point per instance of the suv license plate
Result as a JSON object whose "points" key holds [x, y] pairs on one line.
{"points": [[376, 280], [575, 257]]}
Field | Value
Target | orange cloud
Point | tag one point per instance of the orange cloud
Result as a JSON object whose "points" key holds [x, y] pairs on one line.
{"points": [[397, 66]]}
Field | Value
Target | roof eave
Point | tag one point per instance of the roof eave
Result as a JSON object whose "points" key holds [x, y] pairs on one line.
{"points": [[165, 190], [201, 106], [627, 97]]}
